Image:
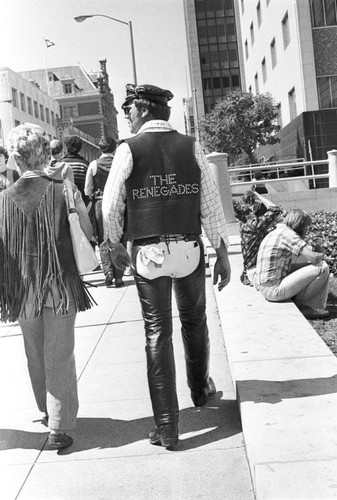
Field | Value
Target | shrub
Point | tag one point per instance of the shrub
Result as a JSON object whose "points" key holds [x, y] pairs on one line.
{"points": [[324, 232]]}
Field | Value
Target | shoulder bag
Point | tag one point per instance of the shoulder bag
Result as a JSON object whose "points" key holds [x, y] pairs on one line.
{"points": [[85, 256]]}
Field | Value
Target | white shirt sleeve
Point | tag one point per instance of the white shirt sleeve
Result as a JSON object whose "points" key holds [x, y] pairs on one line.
{"points": [[114, 196], [212, 215]]}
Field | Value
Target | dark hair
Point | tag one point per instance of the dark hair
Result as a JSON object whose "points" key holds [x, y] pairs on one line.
{"points": [[156, 110], [73, 144], [255, 203], [3, 151], [298, 220], [56, 147], [107, 145], [258, 175]]}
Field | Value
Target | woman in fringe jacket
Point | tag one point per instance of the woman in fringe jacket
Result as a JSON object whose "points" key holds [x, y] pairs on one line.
{"points": [[40, 285]]}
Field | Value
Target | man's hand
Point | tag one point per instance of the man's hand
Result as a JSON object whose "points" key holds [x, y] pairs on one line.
{"points": [[222, 267], [119, 256]]}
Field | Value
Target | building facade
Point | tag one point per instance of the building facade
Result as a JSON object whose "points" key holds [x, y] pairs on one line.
{"points": [[85, 99], [213, 41], [22, 101], [290, 51]]}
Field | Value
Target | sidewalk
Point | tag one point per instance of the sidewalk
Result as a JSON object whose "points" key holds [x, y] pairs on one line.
{"points": [[111, 457]]}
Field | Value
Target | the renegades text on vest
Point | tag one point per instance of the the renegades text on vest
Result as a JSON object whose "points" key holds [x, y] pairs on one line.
{"points": [[163, 190]]}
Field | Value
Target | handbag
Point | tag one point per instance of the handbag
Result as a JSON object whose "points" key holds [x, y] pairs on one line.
{"points": [[84, 254]]}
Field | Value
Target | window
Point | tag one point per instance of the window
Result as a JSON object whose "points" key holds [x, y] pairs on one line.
{"points": [[220, 24], [22, 101], [250, 89], [202, 32], [242, 6], [41, 112], [235, 80], [323, 13], [252, 33], [233, 55], [211, 30], [273, 53], [327, 92], [15, 97], [292, 104], [29, 106], [214, 57], [16, 123], [246, 49], [204, 58], [209, 7], [67, 88], [264, 70], [226, 84], [200, 9], [223, 54], [259, 15], [285, 31], [36, 110], [256, 81], [47, 115], [207, 85], [52, 117], [230, 29], [219, 10], [70, 112], [229, 7]]}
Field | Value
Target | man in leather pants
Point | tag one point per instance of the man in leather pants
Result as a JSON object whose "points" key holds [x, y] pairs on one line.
{"points": [[164, 180]]}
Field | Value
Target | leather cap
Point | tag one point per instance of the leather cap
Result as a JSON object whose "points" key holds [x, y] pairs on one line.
{"points": [[146, 91]]}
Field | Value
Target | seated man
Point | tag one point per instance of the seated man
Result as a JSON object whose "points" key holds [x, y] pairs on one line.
{"points": [[279, 279], [256, 222]]}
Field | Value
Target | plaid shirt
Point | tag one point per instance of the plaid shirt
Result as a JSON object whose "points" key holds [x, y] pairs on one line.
{"points": [[114, 198], [252, 233], [275, 255]]}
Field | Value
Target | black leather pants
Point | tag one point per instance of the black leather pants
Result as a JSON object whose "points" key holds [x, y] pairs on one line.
{"points": [[155, 297]]}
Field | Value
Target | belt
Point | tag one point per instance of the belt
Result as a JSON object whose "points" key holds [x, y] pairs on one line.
{"points": [[166, 238]]}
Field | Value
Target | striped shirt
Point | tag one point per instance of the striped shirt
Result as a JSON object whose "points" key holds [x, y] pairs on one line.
{"points": [[114, 198], [275, 255], [79, 167]]}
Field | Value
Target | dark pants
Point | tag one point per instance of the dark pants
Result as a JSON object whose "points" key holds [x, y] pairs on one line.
{"points": [[156, 298], [106, 261]]}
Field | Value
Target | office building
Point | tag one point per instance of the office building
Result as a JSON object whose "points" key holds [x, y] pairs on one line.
{"points": [[213, 48], [290, 51]]}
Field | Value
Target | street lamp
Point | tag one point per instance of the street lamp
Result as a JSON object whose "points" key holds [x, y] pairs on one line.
{"points": [[80, 19]]}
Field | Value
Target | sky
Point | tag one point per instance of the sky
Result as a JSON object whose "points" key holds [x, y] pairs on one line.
{"points": [[159, 41]]}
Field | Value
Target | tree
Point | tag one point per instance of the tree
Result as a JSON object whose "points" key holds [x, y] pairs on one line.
{"points": [[239, 123]]}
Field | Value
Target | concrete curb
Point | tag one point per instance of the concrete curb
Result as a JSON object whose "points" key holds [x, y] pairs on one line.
{"points": [[286, 380]]}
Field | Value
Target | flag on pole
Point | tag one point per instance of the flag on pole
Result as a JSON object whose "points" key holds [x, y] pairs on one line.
{"points": [[49, 43]]}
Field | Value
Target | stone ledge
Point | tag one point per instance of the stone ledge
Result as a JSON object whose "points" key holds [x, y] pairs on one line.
{"points": [[286, 382]]}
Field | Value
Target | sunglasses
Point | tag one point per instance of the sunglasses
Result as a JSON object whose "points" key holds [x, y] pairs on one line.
{"points": [[127, 110]]}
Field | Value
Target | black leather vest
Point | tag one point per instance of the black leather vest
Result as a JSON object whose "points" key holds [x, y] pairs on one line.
{"points": [[103, 170], [163, 190]]}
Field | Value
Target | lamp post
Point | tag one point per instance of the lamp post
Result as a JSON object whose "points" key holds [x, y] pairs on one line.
{"points": [[80, 19]]}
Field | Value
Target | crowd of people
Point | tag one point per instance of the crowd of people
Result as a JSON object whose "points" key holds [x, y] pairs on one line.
{"points": [[145, 204]]}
